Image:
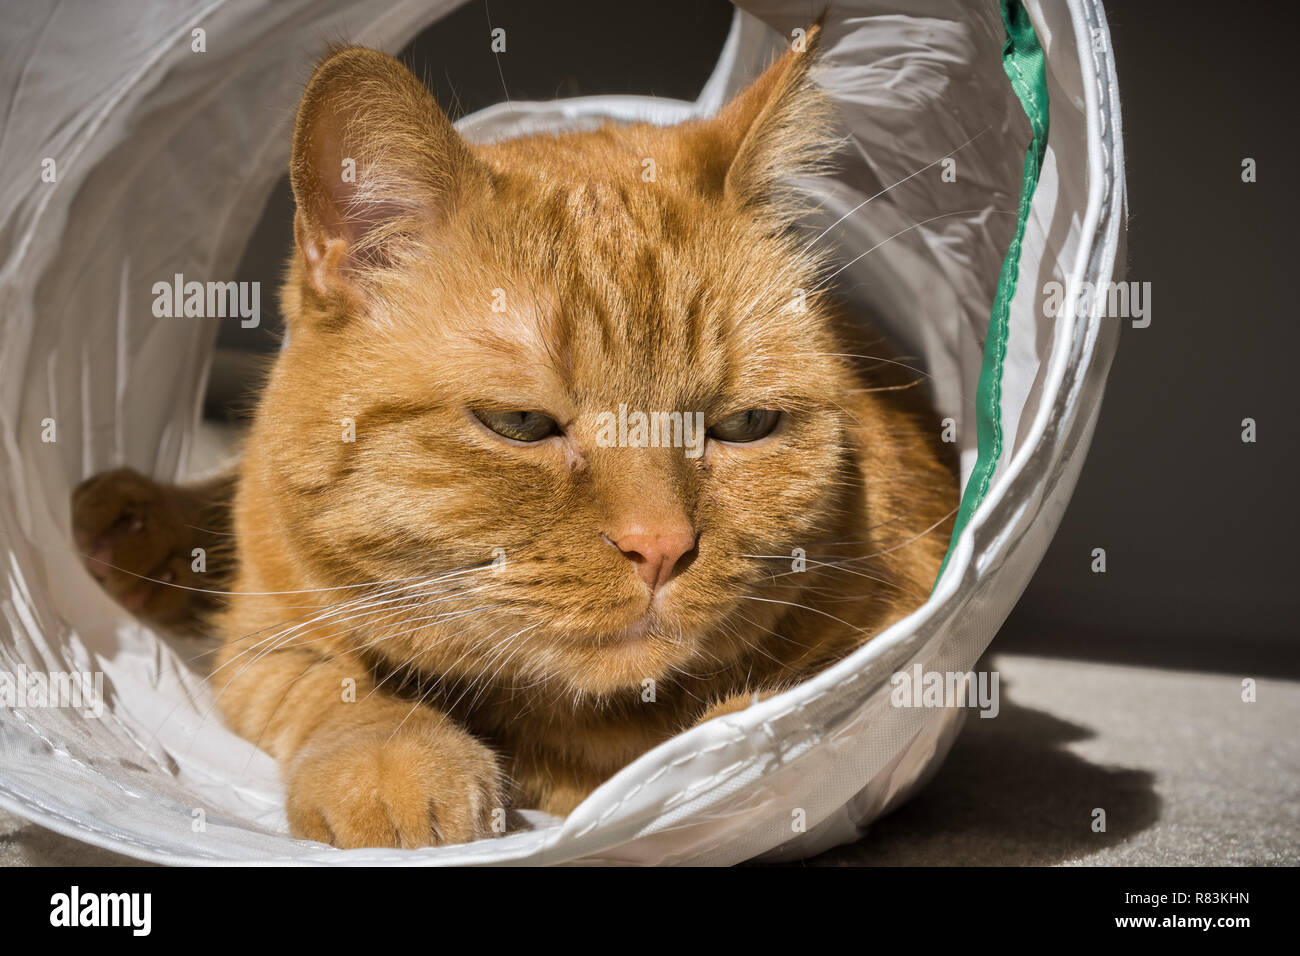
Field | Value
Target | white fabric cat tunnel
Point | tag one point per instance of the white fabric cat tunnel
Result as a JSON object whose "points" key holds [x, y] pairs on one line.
{"points": [[983, 163]]}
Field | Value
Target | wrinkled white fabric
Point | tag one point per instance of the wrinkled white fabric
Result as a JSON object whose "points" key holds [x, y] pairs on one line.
{"points": [[164, 158]]}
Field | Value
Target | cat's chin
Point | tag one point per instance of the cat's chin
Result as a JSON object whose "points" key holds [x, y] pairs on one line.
{"points": [[618, 670]]}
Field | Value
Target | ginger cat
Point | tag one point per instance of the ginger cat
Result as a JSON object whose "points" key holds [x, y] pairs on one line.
{"points": [[452, 582]]}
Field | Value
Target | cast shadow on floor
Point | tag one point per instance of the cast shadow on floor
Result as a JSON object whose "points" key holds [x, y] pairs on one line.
{"points": [[1009, 794]]}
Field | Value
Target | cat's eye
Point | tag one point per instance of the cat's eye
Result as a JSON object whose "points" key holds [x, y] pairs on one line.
{"points": [[749, 425], [521, 426]]}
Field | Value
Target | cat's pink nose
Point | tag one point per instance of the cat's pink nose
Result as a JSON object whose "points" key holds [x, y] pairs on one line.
{"points": [[659, 553]]}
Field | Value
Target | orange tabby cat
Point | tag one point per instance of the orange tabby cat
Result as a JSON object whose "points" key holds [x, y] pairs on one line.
{"points": [[458, 586]]}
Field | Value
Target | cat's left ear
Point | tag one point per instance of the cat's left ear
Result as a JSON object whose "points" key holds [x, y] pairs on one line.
{"points": [[777, 128], [375, 163]]}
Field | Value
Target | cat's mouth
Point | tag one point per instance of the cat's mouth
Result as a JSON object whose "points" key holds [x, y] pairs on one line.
{"points": [[644, 642], [649, 636], [638, 630]]}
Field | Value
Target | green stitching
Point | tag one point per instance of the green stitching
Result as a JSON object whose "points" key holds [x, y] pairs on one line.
{"points": [[1021, 52]]}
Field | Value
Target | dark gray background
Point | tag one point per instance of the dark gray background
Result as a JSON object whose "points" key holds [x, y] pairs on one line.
{"points": [[1198, 527]]}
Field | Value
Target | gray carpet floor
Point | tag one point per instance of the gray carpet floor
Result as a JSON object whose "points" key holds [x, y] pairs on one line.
{"points": [[1187, 773]]}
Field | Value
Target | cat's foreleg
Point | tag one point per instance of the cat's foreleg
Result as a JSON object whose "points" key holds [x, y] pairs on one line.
{"points": [[362, 768]]}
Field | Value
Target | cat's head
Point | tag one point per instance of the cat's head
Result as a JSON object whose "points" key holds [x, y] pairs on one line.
{"points": [[488, 342]]}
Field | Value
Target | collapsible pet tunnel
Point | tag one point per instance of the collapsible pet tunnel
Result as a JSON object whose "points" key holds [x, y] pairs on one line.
{"points": [[983, 161]]}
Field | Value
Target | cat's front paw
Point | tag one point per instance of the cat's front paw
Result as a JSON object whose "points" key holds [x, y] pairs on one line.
{"points": [[427, 784], [135, 536], [734, 703]]}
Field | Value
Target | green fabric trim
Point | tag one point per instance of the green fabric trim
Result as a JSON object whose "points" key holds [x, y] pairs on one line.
{"points": [[1025, 66]]}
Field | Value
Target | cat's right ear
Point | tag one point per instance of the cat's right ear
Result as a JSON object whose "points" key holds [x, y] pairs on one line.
{"points": [[376, 163], [778, 129]]}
